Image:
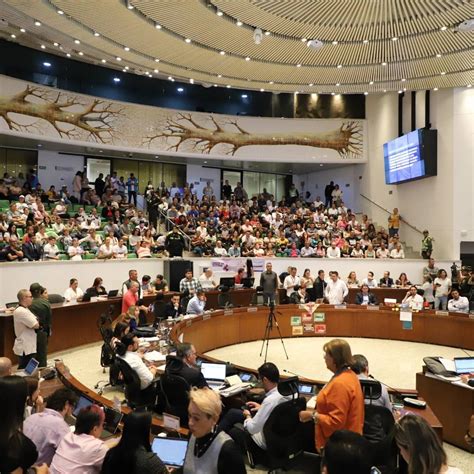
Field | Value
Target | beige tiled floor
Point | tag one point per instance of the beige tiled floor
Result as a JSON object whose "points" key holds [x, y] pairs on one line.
{"points": [[393, 362]]}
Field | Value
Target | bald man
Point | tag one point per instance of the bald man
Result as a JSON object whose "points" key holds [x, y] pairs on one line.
{"points": [[5, 366]]}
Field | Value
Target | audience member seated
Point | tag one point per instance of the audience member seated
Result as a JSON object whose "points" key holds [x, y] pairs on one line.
{"points": [[336, 290], [34, 399], [96, 289], [209, 450], [370, 281], [352, 280], [173, 308], [127, 349], [365, 296], [48, 428], [299, 296], [402, 281], [121, 329], [459, 304], [386, 281], [413, 299], [73, 293], [5, 366], [184, 365], [197, 303], [133, 452], [340, 403], [51, 250], [421, 447], [207, 281], [160, 284], [252, 438], [82, 452], [346, 452]]}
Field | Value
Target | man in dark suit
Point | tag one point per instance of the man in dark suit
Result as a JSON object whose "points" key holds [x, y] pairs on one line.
{"points": [[184, 365], [174, 308], [32, 251], [386, 281], [319, 285], [365, 296]]}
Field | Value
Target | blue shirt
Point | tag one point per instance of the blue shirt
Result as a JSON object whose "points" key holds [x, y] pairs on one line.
{"points": [[195, 306]]}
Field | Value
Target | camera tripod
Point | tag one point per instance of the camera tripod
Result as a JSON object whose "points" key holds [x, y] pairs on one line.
{"points": [[272, 320]]}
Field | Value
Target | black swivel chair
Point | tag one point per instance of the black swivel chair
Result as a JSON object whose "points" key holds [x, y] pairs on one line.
{"points": [[224, 298], [283, 430], [175, 390], [378, 428], [137, 398]]}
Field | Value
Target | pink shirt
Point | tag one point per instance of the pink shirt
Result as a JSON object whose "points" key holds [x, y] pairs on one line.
{"points": [[129, 299], [79, 454]]}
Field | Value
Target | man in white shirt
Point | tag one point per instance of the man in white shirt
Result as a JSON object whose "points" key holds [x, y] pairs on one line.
{"points": [[370, 281], [207, 281], [413, 299], [128, 352], [307, 250], [220, 251], [336, 289], [382, 252], [333, 251], [459, 304], [397, 252], [51, 250], [120, 250], [291, 281], [24, 324]]}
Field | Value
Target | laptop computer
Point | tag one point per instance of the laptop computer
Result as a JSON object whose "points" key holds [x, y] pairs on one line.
{"points": [[29, 370], [214, 374], [464, 365], [111, 422], [172, 451], [83, 402], [112, 293]]}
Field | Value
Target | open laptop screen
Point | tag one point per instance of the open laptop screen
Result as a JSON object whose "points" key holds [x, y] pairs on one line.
{"points": [[171, 451], [83, 402], [464, 365], [213, 371], [31, 366]]}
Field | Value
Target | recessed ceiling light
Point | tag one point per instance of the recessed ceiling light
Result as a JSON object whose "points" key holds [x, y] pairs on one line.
{"points": [[403, 80], [333, 93], [43, 46], [37, 23], [298, 65], [23, 30], [215, 85], [60, 12], [191, 81], [170, 78], [180, 89], [129, 5], [13, 36], [156, 71], [244, 96], [219, 75], [222, 53], [46, 64], [262, 90], [469, 85], [304, 40], [96, 34], [334, 43], [104, 61], [394, 38], [80, 53], [366, 93], [271, 82], [339, 66], [239, 23], [157, 60], [228, 86], [267, 33], [118, 58], [385, 90], [68, 55], [219, 13], [297, 92], [247, 58], [384, 63], [443, 73], [56, 44], [366, 41], [311, 84], [126, 68], [157, 26], [187, 40], [77, 41], [371, 82], [116, 79], [338, 84], [443, 28], [126, 48], [400, 91], [435, 89], [438, 55], [39, 145]]}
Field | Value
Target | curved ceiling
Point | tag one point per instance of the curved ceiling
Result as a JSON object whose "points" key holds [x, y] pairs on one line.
{"points": [[367, 45]]}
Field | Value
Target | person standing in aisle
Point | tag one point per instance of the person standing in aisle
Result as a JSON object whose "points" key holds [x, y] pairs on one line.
{"points": [[41, 308], [269, 283], [132, 186]]}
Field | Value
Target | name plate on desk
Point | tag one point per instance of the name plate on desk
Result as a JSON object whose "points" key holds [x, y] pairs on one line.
{"points": [[340, 306], [373, 308], [441, 313], [206, 316], [228, 312], [252, 309]]}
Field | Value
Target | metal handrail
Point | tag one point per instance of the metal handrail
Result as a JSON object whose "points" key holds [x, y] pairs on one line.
{"points": [[388, 212]]}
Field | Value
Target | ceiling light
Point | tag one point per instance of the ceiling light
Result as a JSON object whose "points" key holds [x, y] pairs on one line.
{"points": [[80, 53], [247, 58], [403, 80], [394, 38], [129, 5], [43, 46], [443, 73], [435, 89], [68, 55], [404, 89], [334, 43], [77, 41], [46, 64], [443, 28], [126, 68], [104, 61], [244, 96], [157, 26], [116, 79], [157, 60], [215, 85], [219, 13], [37, 23], [180, 89], [385, 90], [118, 58], [339, 66], [187, 40], [366, 93], [310, 84], [371, 82], [23, 30], [271, 82], [96, 34], [56, 44], [170, 78], [304, 40], [239, 23], [469, 86], [438, 55], [267, 33], [338, 84], [191, 81], [297, 92], [13, 36], [366, 41], [60, 12], [262, 90], [39, 145], [333, 93], [219, 75], [298, 65], [400, 91], [384, 63], [156, 71], [126, 48], [228, 86], [222, 53]]}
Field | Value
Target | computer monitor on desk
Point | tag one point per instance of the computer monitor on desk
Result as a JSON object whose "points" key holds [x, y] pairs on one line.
{"points": [[248, 282], [227, 281]]}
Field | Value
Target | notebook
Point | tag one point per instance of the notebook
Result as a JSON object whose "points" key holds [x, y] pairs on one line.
{"points": [[214, 374], [464, 365], [171, 451]]}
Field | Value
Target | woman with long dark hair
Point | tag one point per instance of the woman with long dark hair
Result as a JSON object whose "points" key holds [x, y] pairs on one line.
{"points": [[133, 453]]}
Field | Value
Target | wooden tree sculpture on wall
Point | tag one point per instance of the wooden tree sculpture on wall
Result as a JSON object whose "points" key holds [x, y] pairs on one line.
{"points": [[346, 140], [59, 109]]}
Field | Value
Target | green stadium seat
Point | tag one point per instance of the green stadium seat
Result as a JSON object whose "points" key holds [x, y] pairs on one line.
{"points": [[132, 255]]}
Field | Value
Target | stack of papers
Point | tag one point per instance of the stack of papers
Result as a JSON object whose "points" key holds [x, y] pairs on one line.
{"points": [[154, 356]]}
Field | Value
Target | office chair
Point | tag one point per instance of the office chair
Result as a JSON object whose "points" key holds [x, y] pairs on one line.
{"points": [[378, 428], [175, 390], [224, 299], [136, 398]]}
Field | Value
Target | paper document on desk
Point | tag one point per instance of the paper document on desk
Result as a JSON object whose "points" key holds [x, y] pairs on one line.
{"points": [[149, 339], [448, 364], [405, 316], [154, 356]]}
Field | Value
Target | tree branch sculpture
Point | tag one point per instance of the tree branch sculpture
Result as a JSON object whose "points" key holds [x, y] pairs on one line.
{"points": [[95, 119], [346, 140]]}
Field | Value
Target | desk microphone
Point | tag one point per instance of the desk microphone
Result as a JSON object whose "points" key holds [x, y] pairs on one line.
{"points": [[292, 373]]}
